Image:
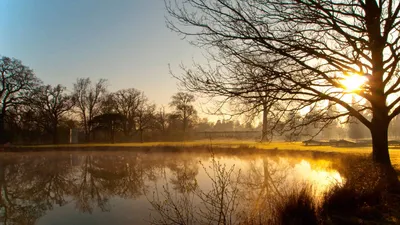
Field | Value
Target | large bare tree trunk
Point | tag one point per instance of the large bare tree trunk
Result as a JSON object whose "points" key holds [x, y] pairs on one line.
{"points": [[380, 152], [379, 132], [380, 149], [380, 146], [380, 112]]}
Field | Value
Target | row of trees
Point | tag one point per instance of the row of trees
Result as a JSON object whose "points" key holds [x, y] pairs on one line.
{"points": [[32, 112]]}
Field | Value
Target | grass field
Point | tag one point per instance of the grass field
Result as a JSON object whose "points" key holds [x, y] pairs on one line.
{"points": [[295, 146]]}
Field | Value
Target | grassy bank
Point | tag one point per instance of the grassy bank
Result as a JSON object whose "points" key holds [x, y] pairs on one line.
{"points": [[217, 144], [365, 197]]}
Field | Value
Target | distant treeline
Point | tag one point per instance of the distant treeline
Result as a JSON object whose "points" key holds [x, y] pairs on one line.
{"points": [[32, 112], [35, 113]]}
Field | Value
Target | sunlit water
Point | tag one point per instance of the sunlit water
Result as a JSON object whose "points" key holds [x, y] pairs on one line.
{"points": [[137, 187]]}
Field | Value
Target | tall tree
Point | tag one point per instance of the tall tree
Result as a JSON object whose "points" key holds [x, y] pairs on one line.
{"points": [[51, 104], [174, 122], [109, 122], [16, 79], [261, 101], [127, 102], [161, 120], [145, 117], [87, 99], [306, 48], [183, 104]]}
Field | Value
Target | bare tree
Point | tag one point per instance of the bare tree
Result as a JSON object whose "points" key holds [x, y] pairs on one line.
{"points": [[16, 79], [127, 102], [161, 120], [51, 104], [259, 101], [306, 48], [24, 124], [182, 102], [145, 115], [87, 99], [108, 103], [108, 122]]}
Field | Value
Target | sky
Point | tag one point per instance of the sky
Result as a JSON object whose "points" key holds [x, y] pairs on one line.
{"points": [[123, 41]]}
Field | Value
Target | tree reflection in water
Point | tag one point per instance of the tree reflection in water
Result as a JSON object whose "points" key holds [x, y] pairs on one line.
{"points": [[265, 184], [30, 186], [33, 184], [236, 196]]}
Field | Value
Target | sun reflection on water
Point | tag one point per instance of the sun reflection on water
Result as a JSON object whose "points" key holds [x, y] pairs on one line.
{"points": [[319, 174]]}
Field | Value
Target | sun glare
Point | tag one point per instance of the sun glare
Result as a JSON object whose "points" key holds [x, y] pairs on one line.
{"points": [[353, 82]]}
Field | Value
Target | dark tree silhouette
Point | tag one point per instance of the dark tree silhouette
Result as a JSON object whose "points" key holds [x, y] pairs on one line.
{"points": [[16, 79], [87, 99], [51, 104], [127, 102], [107, 104], [31, 186], [182, 102], [145, 117], [109, 122], [161, 120], [303, 49]]}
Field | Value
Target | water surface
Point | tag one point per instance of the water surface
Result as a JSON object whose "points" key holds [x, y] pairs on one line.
{"points": [[140, 188]]}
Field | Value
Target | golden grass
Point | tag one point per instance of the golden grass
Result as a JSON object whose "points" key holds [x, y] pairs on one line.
{"points": [[233, 143], [296, 146]]}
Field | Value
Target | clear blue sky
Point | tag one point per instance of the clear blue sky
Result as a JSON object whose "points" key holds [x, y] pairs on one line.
{"points": [[124, 41]]}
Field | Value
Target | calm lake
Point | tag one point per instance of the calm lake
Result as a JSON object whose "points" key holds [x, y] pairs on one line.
{"points": [[122, 187]]}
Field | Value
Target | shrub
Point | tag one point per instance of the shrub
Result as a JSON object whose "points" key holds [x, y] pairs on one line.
{"points": [[363, 195], [298, 207]]}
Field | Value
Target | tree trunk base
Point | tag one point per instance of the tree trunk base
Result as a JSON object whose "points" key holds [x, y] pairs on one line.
{"points": [[389, 178]]}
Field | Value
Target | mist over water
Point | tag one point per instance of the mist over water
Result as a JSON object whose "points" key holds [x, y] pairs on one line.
{"points": [[122, 187]]}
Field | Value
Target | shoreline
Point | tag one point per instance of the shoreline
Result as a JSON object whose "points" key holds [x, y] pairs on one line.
{"points": [[229, 149]]}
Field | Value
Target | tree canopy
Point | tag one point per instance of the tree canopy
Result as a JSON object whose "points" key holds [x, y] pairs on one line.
{"points": [[183, 104], [16, 79], [301, 51]]}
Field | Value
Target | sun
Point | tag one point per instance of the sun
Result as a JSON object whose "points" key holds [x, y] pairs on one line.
{"points": [[353, 82]]}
